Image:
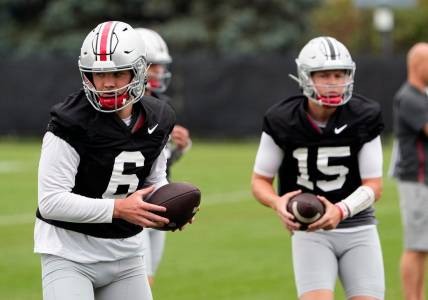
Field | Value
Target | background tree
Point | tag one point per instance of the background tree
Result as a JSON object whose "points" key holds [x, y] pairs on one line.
{"points": [[354, 26], [234, 26]]}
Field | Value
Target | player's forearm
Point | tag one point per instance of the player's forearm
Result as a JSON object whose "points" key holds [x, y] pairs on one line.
{"points": [[176, 154], [376, 184], [57, 170], [263, 190], [69, 207], [362, 198]]}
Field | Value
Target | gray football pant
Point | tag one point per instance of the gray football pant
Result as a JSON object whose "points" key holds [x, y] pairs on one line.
{"points": [[355, 257], [124, 279], [154, 243]]}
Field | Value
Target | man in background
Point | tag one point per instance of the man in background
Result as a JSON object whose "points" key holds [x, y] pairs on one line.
{"points": [[410, 166]]}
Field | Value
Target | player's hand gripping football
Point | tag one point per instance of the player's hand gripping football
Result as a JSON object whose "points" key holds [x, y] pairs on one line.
{"points": [[329, 220], [281, 209], [135, 210]]}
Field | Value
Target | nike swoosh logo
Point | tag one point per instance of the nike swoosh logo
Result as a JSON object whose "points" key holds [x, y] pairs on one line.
{"points": [[150, 130], [340, 129]]}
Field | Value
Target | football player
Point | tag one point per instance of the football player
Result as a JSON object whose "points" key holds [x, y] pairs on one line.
{"points": [[326, 142], [159, 77], [102, 145], [410, 167]]}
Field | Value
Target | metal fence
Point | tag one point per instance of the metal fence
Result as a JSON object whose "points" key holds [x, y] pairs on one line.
{"points": [[218, 97]]}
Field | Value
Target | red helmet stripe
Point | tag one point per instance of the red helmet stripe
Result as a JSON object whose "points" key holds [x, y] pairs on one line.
{"points": [[104, 40]]}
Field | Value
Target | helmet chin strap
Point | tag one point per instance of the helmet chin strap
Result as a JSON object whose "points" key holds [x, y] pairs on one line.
{"points": [[113, 102], [330, 100]]}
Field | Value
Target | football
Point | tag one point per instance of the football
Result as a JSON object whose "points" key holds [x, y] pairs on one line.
{"points": [[306, 208], [181, 200]]}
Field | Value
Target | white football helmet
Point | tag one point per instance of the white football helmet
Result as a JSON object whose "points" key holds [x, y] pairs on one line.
{"points": [[157, 54], [322, 54], [113, 46]]}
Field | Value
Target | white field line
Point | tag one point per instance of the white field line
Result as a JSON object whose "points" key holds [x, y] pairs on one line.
{"points": [[212, 199], [19, 219], [10, 166], [229, 197]]}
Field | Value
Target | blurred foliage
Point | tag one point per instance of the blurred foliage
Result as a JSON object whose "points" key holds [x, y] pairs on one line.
{"points": [[354, 26], [340, 19], [239, 26], [232, 27]]}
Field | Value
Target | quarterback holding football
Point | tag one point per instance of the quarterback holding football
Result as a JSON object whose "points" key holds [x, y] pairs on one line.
{"points": [[326, 142], [102, 155]]}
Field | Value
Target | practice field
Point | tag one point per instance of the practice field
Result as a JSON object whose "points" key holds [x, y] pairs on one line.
{"points": [[236, 249]]}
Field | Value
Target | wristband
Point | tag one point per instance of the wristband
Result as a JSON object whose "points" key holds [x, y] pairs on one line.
{"points": [[362, 198], [344, 212]]}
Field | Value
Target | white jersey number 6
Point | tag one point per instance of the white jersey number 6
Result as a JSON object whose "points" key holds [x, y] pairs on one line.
{"points": [[118, 179]]}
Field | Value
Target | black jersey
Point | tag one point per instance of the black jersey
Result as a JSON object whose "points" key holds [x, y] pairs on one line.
{"points": [[323, 161], [174, 154], [115, 159]]}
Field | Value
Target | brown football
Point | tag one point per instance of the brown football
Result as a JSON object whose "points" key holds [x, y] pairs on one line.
{"points": [[181, 200], [306, 208]]}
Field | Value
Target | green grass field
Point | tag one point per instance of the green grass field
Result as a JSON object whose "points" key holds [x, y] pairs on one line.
{"points": [[236, 249]]}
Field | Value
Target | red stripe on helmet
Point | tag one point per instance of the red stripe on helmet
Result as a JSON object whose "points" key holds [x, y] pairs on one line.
{"points": [[104, 38]]}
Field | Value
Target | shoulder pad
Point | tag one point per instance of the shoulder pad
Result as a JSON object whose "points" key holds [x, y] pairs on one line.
{"points": [[73, 113], [367, 114]]}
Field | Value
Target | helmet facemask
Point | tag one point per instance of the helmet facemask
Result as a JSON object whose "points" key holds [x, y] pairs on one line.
{"points": [[158, 82], [120, 97], [328, 94]]}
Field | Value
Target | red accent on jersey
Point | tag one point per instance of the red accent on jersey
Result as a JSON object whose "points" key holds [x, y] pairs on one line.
{"points": [[103, 42], [315, 126], [139, 123]]}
